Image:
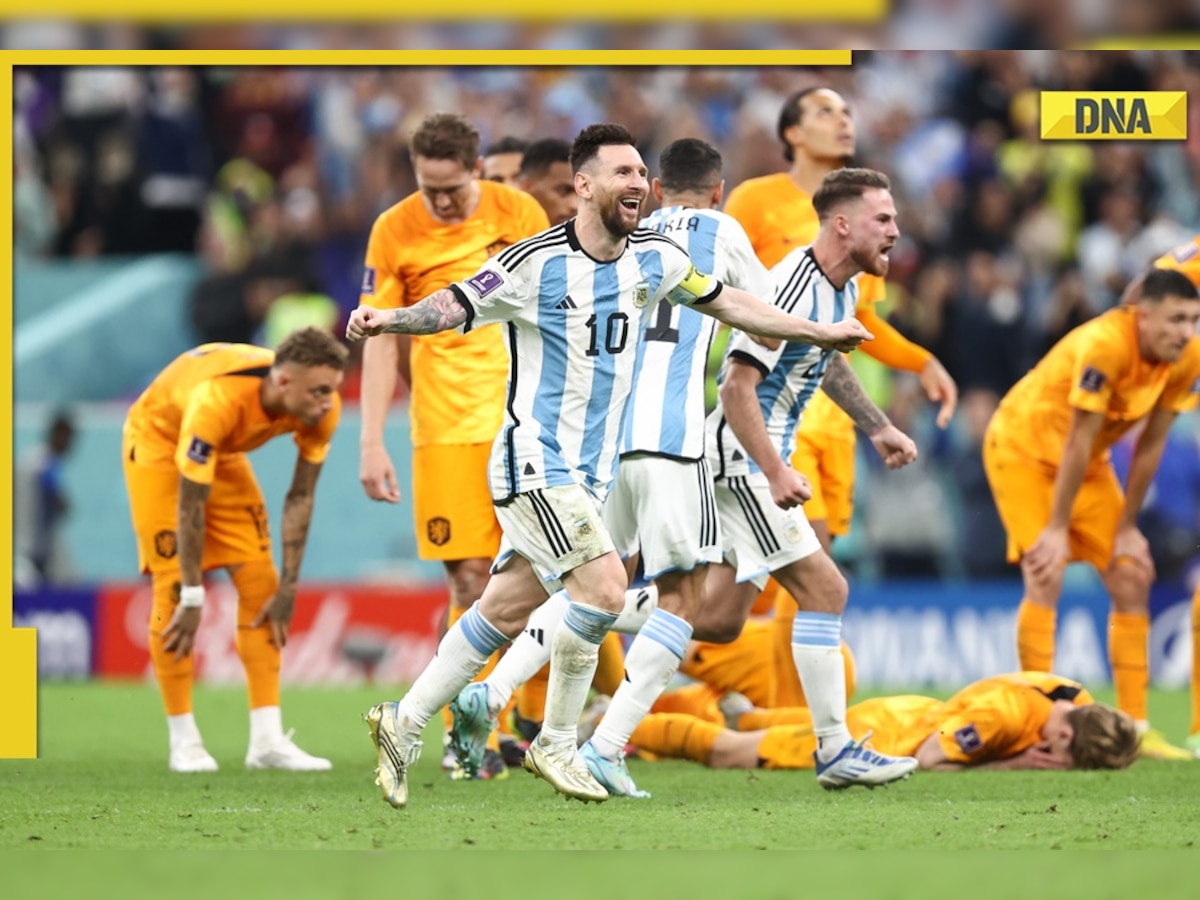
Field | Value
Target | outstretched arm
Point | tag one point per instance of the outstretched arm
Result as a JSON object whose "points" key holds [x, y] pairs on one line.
{"points": [[180, 633], [440, 311], [753, 316]]}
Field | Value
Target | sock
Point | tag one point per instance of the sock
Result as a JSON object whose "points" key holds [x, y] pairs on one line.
{"points": [[677, 735], [610, 665], [256, 583], [640, 603], [174, 676], [453, 614], [1195, 729], [1035, 637], [266, 726], [460, 656], [652, 661], [182, 730], [573, 657], [529, 651], [1128, 649], [761, 719], [817, 651]]}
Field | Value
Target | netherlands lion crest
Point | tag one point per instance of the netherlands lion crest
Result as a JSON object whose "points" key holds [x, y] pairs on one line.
{"points": [[641, 294], [438, 531], [165, 544]]}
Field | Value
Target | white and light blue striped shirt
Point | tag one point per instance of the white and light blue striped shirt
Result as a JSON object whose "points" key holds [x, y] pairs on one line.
{"points": [[666, 410], [792, 372], [573, 326]]}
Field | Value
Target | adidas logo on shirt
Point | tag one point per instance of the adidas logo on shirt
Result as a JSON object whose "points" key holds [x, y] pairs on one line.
{"points": [[566, 303]]}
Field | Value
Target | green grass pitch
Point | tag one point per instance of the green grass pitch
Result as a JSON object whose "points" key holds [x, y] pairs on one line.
{"points": [[101, 781]]}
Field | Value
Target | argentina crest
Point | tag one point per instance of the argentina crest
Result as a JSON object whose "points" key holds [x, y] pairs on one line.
{"points": [[641, 294]]}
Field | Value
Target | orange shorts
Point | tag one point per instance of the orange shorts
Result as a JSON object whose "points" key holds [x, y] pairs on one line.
{"points": [[1024, 494], [452, 504], [826, 459], [236, 526]]}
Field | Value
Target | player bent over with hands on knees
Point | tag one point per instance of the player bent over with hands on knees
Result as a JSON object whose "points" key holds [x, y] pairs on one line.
{"points": [[196, 506], [575, 298]]}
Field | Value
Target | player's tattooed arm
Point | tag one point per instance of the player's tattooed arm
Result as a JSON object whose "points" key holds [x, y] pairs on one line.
{"points": [[844, 389], [192, 499], [297, 514], [440, 311]]}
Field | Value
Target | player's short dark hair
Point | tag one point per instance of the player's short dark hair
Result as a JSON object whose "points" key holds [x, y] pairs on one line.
{"points": [[689, 164], [447, 136], [589, 141], [542, 154], [843, 185], [311, 348], [508, 144], [790, 115], [1160, 283]]}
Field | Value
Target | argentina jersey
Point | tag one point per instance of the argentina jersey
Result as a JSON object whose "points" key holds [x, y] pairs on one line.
{"points": [[791, 372], [665, 415], [573, 325]]}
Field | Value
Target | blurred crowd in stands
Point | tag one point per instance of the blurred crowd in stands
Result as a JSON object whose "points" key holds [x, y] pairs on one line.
{"points": [[273, 176]]}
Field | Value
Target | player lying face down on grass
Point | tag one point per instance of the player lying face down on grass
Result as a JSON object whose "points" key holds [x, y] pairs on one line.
{"points": [[1024, 720]]}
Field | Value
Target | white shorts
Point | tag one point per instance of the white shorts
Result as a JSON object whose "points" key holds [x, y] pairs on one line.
{"points": [[665, 508], [556, 528], [760, 538]]}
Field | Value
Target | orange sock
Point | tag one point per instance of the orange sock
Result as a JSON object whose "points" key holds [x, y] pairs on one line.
{"points": [[677, 735], [1128, 649], [531, 696], [1195, 729], [1035, 637], [256, 583], [768, 718], [610, 667], [174, 676]]}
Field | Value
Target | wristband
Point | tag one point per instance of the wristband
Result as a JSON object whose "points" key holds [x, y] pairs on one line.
{"points": [[191, 595]]}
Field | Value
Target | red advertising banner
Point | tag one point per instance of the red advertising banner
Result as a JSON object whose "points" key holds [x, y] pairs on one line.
{"points": [[341, 634]]}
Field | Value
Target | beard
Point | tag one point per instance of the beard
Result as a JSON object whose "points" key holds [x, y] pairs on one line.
{"points": [[868, 260], [611, 214]]}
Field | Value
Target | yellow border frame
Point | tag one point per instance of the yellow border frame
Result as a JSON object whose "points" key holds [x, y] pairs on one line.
{"points": [[147, 11], [18, 646]]}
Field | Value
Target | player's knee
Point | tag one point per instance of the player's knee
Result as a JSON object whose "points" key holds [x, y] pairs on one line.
{"points": [[256, 583], [1129, 584]]}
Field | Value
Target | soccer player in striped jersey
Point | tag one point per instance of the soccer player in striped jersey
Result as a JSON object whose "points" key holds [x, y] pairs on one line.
{"points": [[661, 504], [574, 299], [765, 386], [766, 532]]}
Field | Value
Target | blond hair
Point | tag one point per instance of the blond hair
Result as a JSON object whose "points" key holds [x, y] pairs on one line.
{"points": [[312, 347], [1105, 738]]}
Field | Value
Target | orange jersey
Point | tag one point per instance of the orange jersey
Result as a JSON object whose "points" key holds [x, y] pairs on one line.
{"points": [[1185, 259], [989, 720], [208, 403], [458, 380], [1097, 368]]}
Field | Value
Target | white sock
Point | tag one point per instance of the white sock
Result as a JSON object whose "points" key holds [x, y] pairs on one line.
{"points": [[460, 656], [817, 650], [530, 651], [573, 657], [652, 661], [266, 726], [182, 730], [640, 603]]}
